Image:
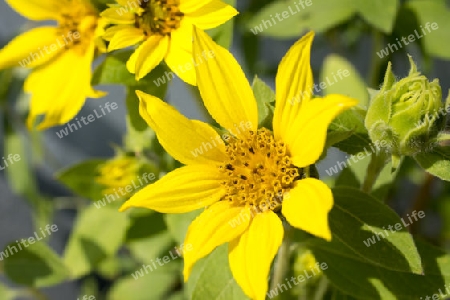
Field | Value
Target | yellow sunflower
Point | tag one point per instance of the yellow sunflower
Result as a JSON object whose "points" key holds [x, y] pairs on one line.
{"points": [[61, 55], [118, 173], [247, 177], [165, 29]]}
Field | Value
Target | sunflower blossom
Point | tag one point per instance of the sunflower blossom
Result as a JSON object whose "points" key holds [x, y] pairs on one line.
{"points": [[163, 28], [249, 176], [61, 56], [118, 173]]}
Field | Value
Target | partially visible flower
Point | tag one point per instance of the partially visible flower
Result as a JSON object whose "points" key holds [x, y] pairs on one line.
{"points": [[61, 56], [306, 262], [163, 29], [118, 173], [251, 175], [407, 114]]}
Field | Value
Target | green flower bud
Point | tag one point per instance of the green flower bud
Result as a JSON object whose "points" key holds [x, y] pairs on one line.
{"points": [[407, 114]]}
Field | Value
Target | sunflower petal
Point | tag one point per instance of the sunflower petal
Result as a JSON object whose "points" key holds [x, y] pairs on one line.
{"points": [[306, 137], [251, 255], [31, 48], [37, 10], [190, 142], [190, 6], [294, 82], [131, 62], [125, 38], [225, 91], [151, 53], [67, 94], [180, 58], [212, 14], [218, 224], [185, 189], [117, 15], [307, 207], [110, 32]]}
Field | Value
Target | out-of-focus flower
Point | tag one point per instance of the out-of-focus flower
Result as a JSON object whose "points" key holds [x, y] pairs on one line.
{"points": [[118, 173], [60, 55], [164, 31]]}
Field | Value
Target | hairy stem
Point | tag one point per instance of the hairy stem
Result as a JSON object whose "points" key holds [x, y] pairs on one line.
{"points": [[376, 165]]}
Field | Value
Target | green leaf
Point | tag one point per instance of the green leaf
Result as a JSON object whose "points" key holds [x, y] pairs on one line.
{"points": [[379, 13], [36, 265], [341, 77], [284, 19], [335, 137], [433, 12], [354, 173], [21, 175], [80, 178], [355, 221], [6, 293], [351, 121], [177, 296], [363, 280], [113, 70], [133, 117], [147, 237], [436, 162], [207, 282], [98, 233], [178, 224], [264, 97], [338, 295], [155, 83], [153, 285], [109, 268]]}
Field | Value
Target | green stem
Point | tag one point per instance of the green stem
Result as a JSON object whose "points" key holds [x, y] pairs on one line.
{"points": [[282, 262], [421, 200], [376, 165], [321, 289]]}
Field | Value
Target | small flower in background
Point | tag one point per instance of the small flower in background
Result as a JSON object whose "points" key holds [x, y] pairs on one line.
{"points": [[117, 173], [305, 262], [252, 175], [60, 55], [163, 30], [407, 114]]}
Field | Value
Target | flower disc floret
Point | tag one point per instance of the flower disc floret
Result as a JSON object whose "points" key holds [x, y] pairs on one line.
{"points": [[160, 17], [259, 170]]}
